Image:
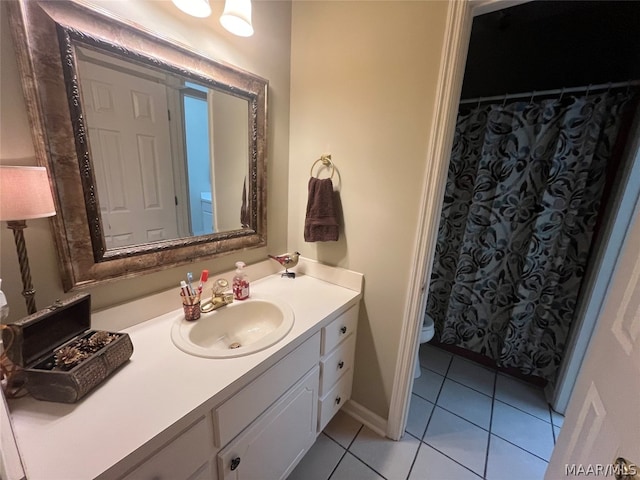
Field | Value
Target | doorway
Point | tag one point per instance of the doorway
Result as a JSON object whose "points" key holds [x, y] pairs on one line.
{"points": [[196, 130], [460, 34], [509, 269]]}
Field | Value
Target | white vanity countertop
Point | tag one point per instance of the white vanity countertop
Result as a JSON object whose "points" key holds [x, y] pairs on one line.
{"points": [[159, 386]]}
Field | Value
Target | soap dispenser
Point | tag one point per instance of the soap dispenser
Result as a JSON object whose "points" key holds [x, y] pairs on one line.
{"points": [[240, 283]]}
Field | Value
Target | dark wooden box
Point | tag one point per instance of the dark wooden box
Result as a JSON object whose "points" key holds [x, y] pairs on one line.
{"points": [[38, 337]]}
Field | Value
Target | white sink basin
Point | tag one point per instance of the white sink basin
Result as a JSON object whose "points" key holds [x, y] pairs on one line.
{"points": [[240, 328]]}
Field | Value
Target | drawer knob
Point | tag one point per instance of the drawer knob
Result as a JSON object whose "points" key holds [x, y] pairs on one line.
{"points": [[343, 330], [340, 365], [234, 463], [338, 400]]}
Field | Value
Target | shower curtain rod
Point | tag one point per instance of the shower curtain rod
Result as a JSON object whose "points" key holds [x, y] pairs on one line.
{"points": [[542, 93]]}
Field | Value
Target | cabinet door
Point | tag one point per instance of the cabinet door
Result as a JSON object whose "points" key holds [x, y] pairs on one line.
{"points": [[185, 456], [273, 445]]}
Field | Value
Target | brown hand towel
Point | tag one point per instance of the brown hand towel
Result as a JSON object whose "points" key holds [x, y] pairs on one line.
{"points": [[321, 224]]}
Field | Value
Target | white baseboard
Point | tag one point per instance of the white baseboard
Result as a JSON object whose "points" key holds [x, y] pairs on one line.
{"points": [[366, 417]]}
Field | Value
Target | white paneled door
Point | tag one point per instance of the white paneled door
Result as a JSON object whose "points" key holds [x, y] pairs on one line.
{"points": [[128, 127], [603, 418]]}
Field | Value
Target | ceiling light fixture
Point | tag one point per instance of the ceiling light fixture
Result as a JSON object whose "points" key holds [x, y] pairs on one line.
{"points": [[196, 8], [236, 17]]}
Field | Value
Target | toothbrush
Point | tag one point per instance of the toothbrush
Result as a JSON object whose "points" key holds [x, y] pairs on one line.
{"points": [[203, 278], [189, 281], [184, 288]]}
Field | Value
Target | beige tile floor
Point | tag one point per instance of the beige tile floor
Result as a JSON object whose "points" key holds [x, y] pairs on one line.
{"points": [[465, 422]]}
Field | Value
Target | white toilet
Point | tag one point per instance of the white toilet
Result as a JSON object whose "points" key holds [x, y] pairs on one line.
{"points": [[425, 335]]}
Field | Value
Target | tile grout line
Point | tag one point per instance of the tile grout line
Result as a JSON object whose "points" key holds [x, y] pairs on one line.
{"points": [[493, 400], [435, 405], [519, 447], [364, 463], [450, 458], [463, 418], [357, 457], [346, 450], [355, 436], [495, 372], [553, 429], [521, 410], [467, 386], [424, 432], [415, 457], [344, 454]]}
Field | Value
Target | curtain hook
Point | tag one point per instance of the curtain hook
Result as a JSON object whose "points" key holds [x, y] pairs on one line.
{"points": [[561, 95], [533, 94], [479, 100], [504, 100], [588, 90]]}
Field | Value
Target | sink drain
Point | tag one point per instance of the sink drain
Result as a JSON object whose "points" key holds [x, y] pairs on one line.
{"points": [[235, 345]]}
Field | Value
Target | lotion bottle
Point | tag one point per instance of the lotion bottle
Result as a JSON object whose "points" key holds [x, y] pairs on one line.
{"points": [[240, 283]]}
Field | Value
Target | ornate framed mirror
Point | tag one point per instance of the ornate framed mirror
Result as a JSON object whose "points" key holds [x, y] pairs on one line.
{"points": [[156, 154]]}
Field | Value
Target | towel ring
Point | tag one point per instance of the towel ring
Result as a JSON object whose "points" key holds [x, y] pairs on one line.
{"points": [[326, 161]]}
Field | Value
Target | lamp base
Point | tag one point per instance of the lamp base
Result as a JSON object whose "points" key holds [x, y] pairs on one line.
{"points": [[28, 291]]}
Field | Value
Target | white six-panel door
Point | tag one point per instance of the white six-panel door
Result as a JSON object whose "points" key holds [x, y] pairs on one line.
{"points": [[131, 152], [603, 418]]}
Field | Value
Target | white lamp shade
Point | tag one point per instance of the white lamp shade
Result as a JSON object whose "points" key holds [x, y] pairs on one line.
{"points": [[25, 193], [195, 8], [236, 17]]}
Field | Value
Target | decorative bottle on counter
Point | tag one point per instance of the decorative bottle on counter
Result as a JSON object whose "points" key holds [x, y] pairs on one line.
{"points": [[240, 283]]}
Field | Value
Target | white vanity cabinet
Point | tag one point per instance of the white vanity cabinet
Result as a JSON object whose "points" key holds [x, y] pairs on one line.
{"points": [[264, 429]]}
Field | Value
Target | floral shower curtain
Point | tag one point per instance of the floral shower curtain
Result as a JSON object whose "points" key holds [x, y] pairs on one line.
{"points": [[520, 206]]}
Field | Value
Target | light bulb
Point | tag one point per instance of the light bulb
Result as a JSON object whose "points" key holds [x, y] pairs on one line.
{"points": [[236, 17], [196, 8]]}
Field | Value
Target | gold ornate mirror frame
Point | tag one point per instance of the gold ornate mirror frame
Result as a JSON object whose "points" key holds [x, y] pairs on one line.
{"points": [[45, 33]]}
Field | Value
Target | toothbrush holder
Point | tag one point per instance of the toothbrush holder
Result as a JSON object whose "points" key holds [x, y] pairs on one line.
{"points": [[191, 306]]}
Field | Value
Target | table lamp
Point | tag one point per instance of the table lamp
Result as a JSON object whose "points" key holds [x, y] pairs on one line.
{"points": [[24, 194]]}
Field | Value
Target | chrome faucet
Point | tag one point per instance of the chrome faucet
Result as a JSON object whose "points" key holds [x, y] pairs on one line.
{"points": [[218, 298]]}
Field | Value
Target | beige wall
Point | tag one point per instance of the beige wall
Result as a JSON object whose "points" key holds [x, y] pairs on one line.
{"points": [[16, 148], [363, 83], [267, 54]]}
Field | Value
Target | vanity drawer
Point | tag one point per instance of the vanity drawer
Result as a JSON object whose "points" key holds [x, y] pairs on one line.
{"points": [[336, 364], [334, 400], [180, 458], [339, 329], [231, 417]]}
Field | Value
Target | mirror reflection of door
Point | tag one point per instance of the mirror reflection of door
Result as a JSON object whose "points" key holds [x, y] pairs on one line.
{"points": [[166, 167], [196, 128], [230, 134], [126, 114]]}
